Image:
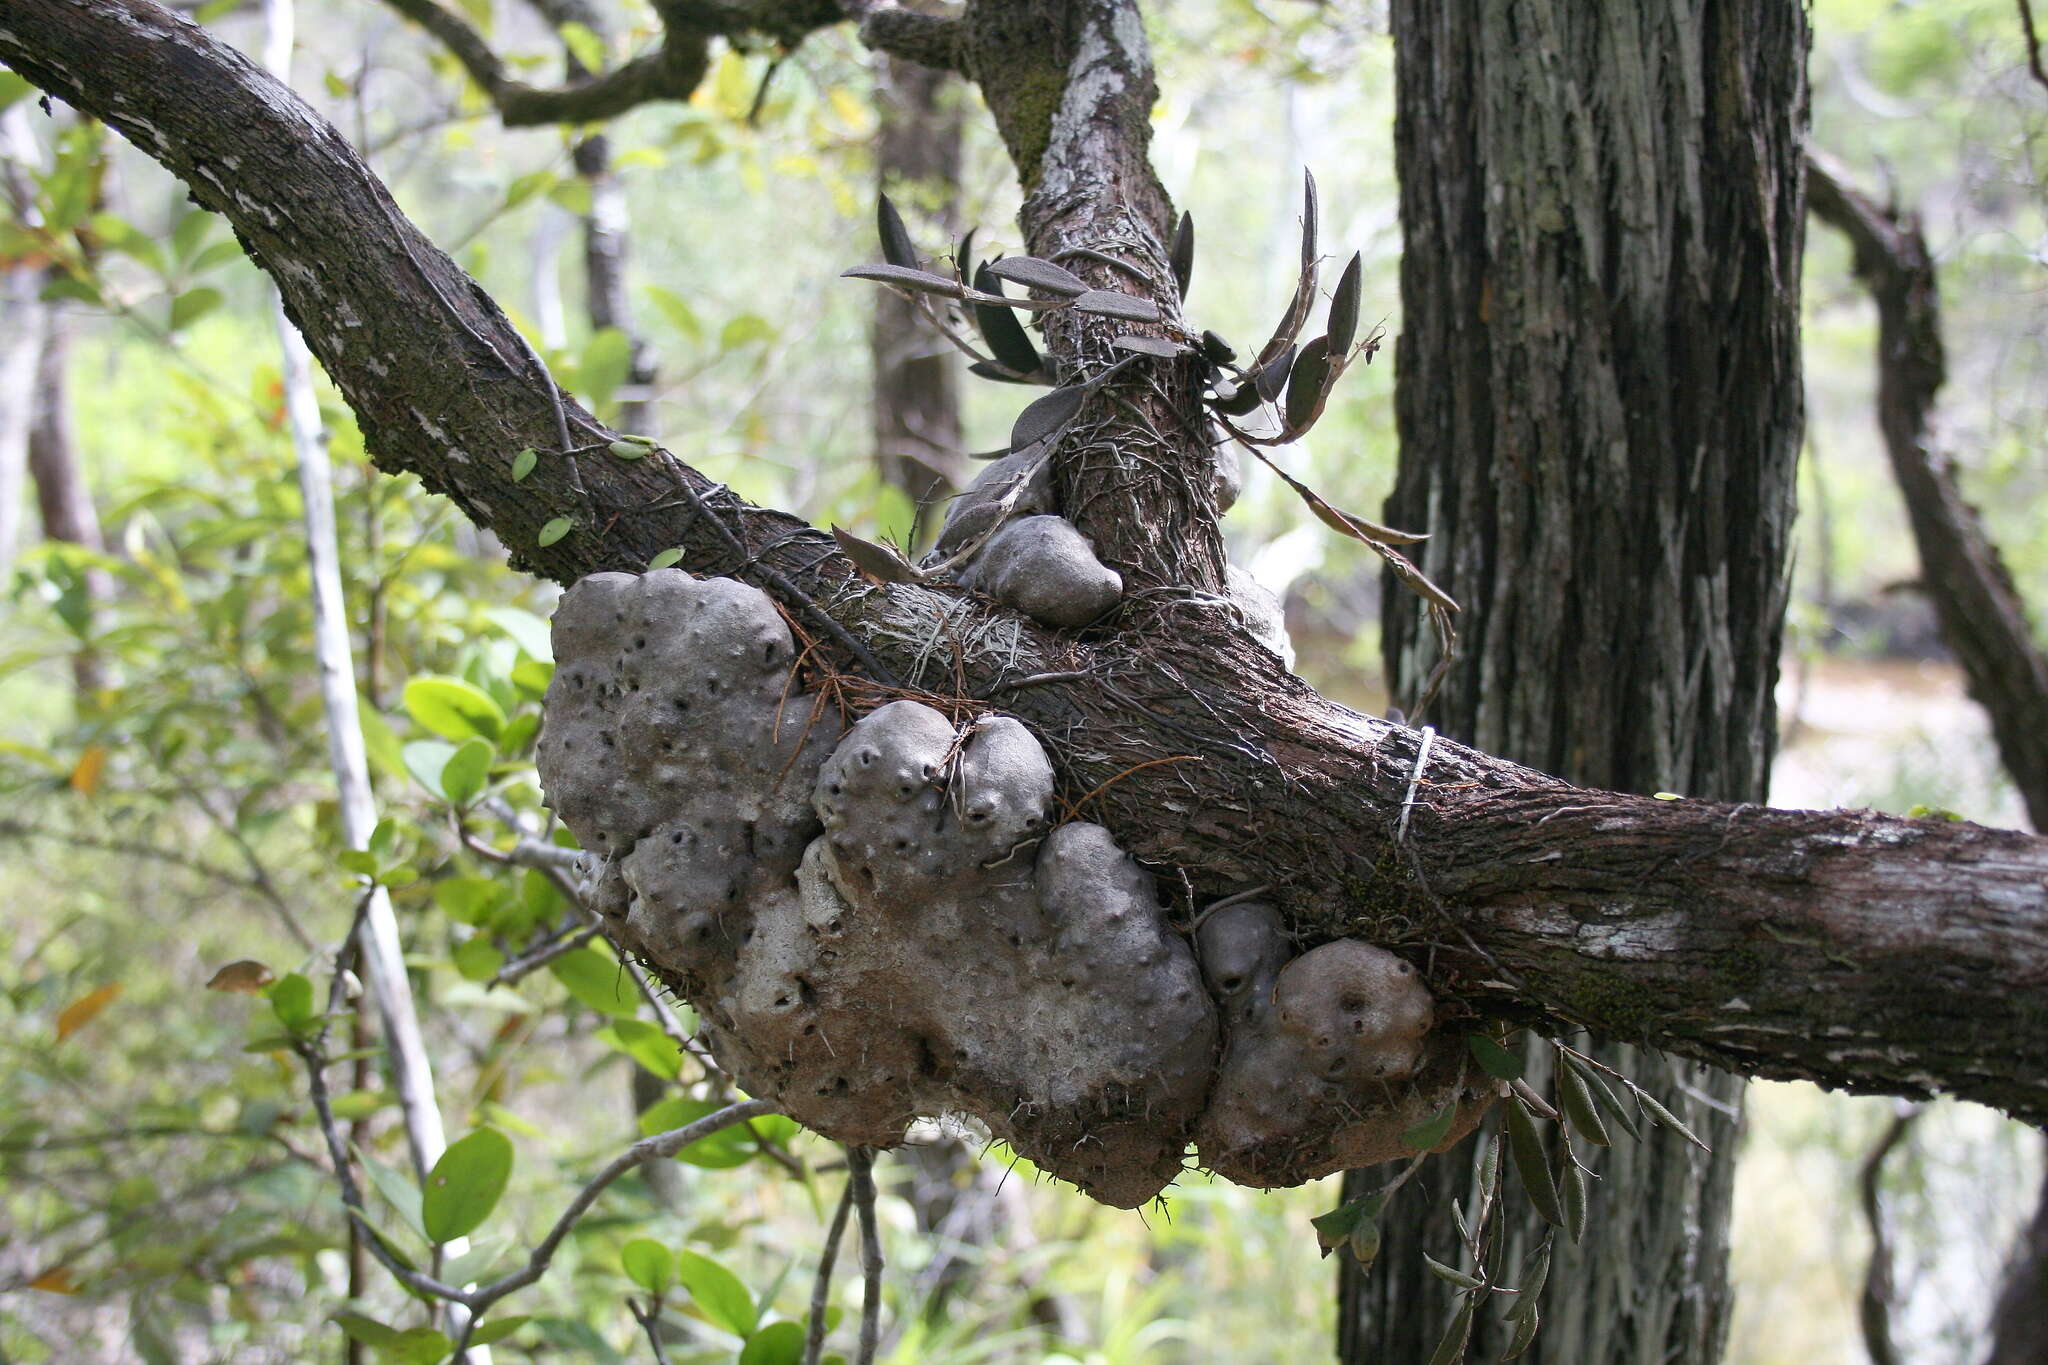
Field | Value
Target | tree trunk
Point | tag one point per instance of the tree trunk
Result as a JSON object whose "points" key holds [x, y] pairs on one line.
{"points": [[2019, 1324], [63, 497], [916, 392], [1601, 215], [1879, 954]]}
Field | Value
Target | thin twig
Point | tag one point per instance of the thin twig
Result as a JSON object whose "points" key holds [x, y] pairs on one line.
{"points": [[821, 1287], [860, 1166], [2033, 41], [650, 1321], [561, 945]]}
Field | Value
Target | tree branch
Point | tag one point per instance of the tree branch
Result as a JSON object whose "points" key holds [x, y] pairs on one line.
{"points": [[1880, 954], [1982, 617]]}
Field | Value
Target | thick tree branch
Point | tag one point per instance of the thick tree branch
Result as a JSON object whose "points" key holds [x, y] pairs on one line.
{"points": [[1881, 954], [1983, 619], [675, 67]]}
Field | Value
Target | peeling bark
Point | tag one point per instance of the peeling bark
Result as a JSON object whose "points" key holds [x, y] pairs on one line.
{"points": [[1880, 954]]}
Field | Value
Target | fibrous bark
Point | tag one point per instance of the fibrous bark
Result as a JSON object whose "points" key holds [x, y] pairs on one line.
{"points": [[1601, 227], [1877, 953]]}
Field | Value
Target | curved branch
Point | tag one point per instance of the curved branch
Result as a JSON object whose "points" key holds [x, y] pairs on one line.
{"points": [[1982, 617], [1880, 954]]}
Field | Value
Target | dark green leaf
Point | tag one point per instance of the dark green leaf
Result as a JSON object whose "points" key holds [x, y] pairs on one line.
{"points": [[1007, 340], [1572, 1190], [1238, 400], [1271, 377], [368, 1331], [904, 277], [1182, 253], [497, 1329], [1343, 328], [878, 563], [1604, 1096], [1579, 1107], [1532, 1164], [1497, 1061], [1047, 415], [717, 1292], [398, 1191], [1001, 375], [1216, 350], [465, 1184], [1037, 274], [1307, 384], [1450, 1274], [1451, 1349], [1111, 303], [1305, 287], [1665, 1117], [1428, 1134], [897, 248], [1527, 1321]]}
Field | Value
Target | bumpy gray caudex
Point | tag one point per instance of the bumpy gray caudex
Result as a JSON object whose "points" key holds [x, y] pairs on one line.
{"points": [[883, 922], [1017, 549]]}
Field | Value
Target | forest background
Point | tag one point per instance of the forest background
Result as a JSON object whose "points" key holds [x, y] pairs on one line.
{"points": [[169, 807]]}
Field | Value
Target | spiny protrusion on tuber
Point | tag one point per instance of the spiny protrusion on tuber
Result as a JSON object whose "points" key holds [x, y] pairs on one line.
{"points": [[1046, 569], [1328, 1058]]}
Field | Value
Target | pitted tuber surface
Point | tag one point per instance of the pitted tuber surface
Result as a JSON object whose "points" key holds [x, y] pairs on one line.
{"points": [[883, 924], [1329, 1056], [1046, 569]]}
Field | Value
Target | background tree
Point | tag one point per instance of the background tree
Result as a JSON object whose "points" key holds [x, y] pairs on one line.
{"points": [[1596, 257]]}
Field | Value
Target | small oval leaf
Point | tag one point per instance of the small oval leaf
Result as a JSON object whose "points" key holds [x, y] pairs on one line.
{"points": [[466, 772], [1047, 415], [1182, 254], [1159, 346], [1532, 1164], [1497, 1061], [523, 463], [1111, 303], [1450, 1274], [1427, 1135], [553, 531], [1007, 340], [878, 563], [1037, 274], [1307, 384], [1580, 1110], [666, 559], [647, 1262], [465, 1184], [1343, 328], [904, 277], [897, 248]]}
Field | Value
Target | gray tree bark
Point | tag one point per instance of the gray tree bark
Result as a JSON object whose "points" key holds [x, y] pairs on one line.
{"points": [[1601, 209]]}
